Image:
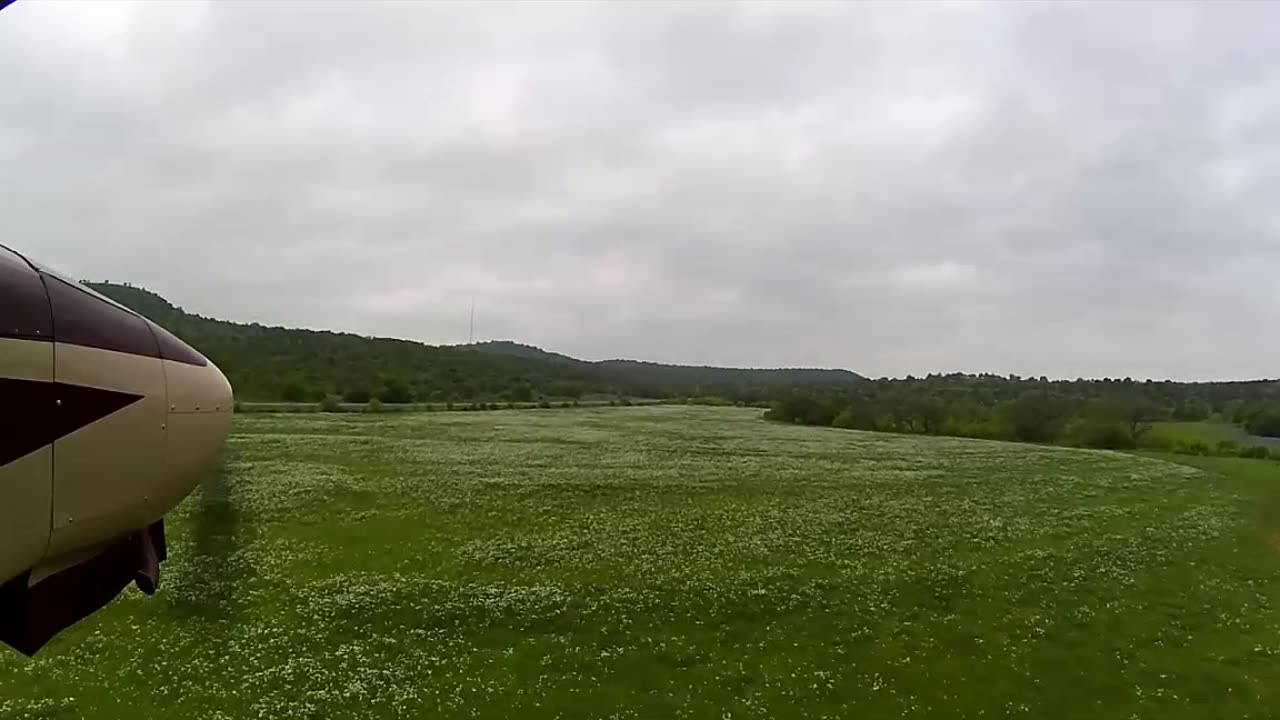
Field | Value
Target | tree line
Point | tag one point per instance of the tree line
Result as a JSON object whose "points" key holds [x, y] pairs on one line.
{"points": [[1109, 413]]}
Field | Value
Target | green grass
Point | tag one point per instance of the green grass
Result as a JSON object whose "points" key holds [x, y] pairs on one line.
{"points": [[1256, 482], [1168, 434], [557, 404], [682, 562]]}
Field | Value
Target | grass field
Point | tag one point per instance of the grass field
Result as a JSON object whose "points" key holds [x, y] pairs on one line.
{"points": [[1211, 433], [677, 562]]}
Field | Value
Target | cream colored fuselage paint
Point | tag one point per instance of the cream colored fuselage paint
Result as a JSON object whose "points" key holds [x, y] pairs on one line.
{"points": [[195, 389], [26, 485], [199, 419], [106, 473], [125, 471]]}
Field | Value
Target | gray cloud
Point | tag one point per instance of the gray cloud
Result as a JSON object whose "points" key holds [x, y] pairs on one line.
{"points": [[1069, 189]]}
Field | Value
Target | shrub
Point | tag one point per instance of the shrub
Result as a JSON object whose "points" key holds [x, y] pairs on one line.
{"points": [[357, 396], [857, 416], [626, 402], [1103, 433], [1228, 447], [710, 400], [803, 409], [375, 406], [511, 406], [293, 392], [1191, 447], [1257, 452], [1266, 423], [1158, 441], [331, 404], [449, 405], [565, 404], [544, 404], [396, 391], [819, 414]]}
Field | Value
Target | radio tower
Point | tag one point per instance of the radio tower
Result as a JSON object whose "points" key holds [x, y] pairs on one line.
{"points": [[471, 329]]}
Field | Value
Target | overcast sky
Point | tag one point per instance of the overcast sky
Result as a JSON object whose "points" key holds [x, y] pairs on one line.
{"points": [[1070, 190]]}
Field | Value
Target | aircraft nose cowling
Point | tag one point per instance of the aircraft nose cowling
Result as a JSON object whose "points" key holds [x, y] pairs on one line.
{"points": [[115, 422], [199, 416]]}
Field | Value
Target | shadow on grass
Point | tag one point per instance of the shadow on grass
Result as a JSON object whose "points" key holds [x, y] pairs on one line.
{"points": [[215, 570]]}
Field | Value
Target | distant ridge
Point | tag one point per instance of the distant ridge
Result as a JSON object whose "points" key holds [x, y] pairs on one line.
{"points": [[695, 373], [295, 365], [515, 349]]}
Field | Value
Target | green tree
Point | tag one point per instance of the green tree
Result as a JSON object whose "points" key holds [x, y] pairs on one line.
{"points": [[1266, 423], [395, 390], [928, 414], [858, 415], [1036, 416], [1235, 411], [359, 395], [1192, 409], [1139, 413], [294, 392]]}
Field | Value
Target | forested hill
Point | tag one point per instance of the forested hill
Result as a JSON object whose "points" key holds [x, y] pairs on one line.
{"points": [[274, 363], [651, 379]]}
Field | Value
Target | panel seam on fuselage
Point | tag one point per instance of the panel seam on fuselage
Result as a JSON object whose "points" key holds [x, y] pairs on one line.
{"points": [[53, 372]]}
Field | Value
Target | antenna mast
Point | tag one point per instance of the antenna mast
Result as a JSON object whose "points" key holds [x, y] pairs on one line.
{"points": [[471, 330]]}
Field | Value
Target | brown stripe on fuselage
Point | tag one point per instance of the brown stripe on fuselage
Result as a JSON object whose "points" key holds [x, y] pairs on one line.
{"points": [[24, 307], [37, 413], [83, 319], [171, 348], [37, 304], [26, 484]]}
